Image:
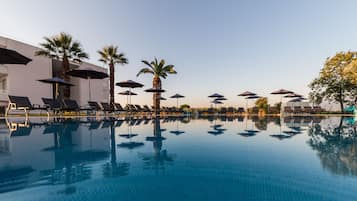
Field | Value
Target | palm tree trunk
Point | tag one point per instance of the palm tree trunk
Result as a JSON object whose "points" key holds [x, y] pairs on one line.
{"points": [[65, 67], [111, 78], [156, 96]]}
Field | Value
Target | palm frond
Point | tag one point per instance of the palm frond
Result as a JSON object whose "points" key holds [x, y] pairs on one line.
{"points": [[61, 46], [145, 71]]}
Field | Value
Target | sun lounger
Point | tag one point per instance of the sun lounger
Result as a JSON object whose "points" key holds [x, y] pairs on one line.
{"points": [[240, 110], [307, 109], [146, 108], [298, 110], [230, 110], [106, 107], [273, 110], [94, 105], [288, 109], [72, 106], [53, 104], [23, 103], [130, 108], [210, 111], [139, 108], [317, 109], [118, 108], [223, 110]]}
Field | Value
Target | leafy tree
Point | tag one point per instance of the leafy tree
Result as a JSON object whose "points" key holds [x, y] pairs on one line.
{"points": [[334, 84], [262, 103], [110, 55], [63, 47], [185, 107], [158, 70]]}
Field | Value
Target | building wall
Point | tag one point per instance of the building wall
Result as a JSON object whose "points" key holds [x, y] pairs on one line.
{"points": [[22, 79]]}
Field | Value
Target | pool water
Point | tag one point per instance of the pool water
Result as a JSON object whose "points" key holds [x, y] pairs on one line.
{"points": [[181, 159]]}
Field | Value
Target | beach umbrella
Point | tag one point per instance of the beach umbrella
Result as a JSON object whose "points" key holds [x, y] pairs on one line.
{"points": [[281, 92], [57, 81], [216, 102], [246, 94], [215, 95], [295, 100], [220, 99], [8, 56], [251, 98], [177, 96], [293, 95], [131, 85], [87, 73], [127, 93], [155, 90], [162, 98]]}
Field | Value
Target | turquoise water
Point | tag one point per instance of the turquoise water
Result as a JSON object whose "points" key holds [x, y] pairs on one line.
{"points": [[179, 159]]}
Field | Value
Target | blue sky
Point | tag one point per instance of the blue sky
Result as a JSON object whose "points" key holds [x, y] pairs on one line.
{"points": [[217, 46]]}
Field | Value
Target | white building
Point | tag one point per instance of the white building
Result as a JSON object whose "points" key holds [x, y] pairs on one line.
{"points": [[21, 80]]}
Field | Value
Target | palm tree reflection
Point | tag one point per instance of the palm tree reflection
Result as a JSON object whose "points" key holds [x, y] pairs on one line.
{"points": [[336, 147], [113, 168], [160, 158]]}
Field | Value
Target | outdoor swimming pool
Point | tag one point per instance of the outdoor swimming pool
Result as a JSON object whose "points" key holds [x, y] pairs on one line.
{"points": [[179, 159]]}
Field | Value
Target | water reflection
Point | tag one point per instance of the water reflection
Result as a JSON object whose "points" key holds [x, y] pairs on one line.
{"points": [[37, 158], [129, 135], [177, 131], [217, 129], [250, 131], [113, 168], [293, 126], [336, 146], [68, 153], [160, 157]]}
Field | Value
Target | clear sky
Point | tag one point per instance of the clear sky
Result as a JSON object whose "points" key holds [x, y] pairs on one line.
{"points": [[217, 46]]}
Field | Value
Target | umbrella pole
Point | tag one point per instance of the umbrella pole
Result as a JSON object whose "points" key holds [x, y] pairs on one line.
{"points": [[281, 105], [56, 91], [129, 95], [177, 102], [246, 106], [130, 100]]}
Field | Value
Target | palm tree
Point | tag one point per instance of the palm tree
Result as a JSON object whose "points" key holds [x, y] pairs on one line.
{"points": [[158, 70], [63, 47], [109, 55]]}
